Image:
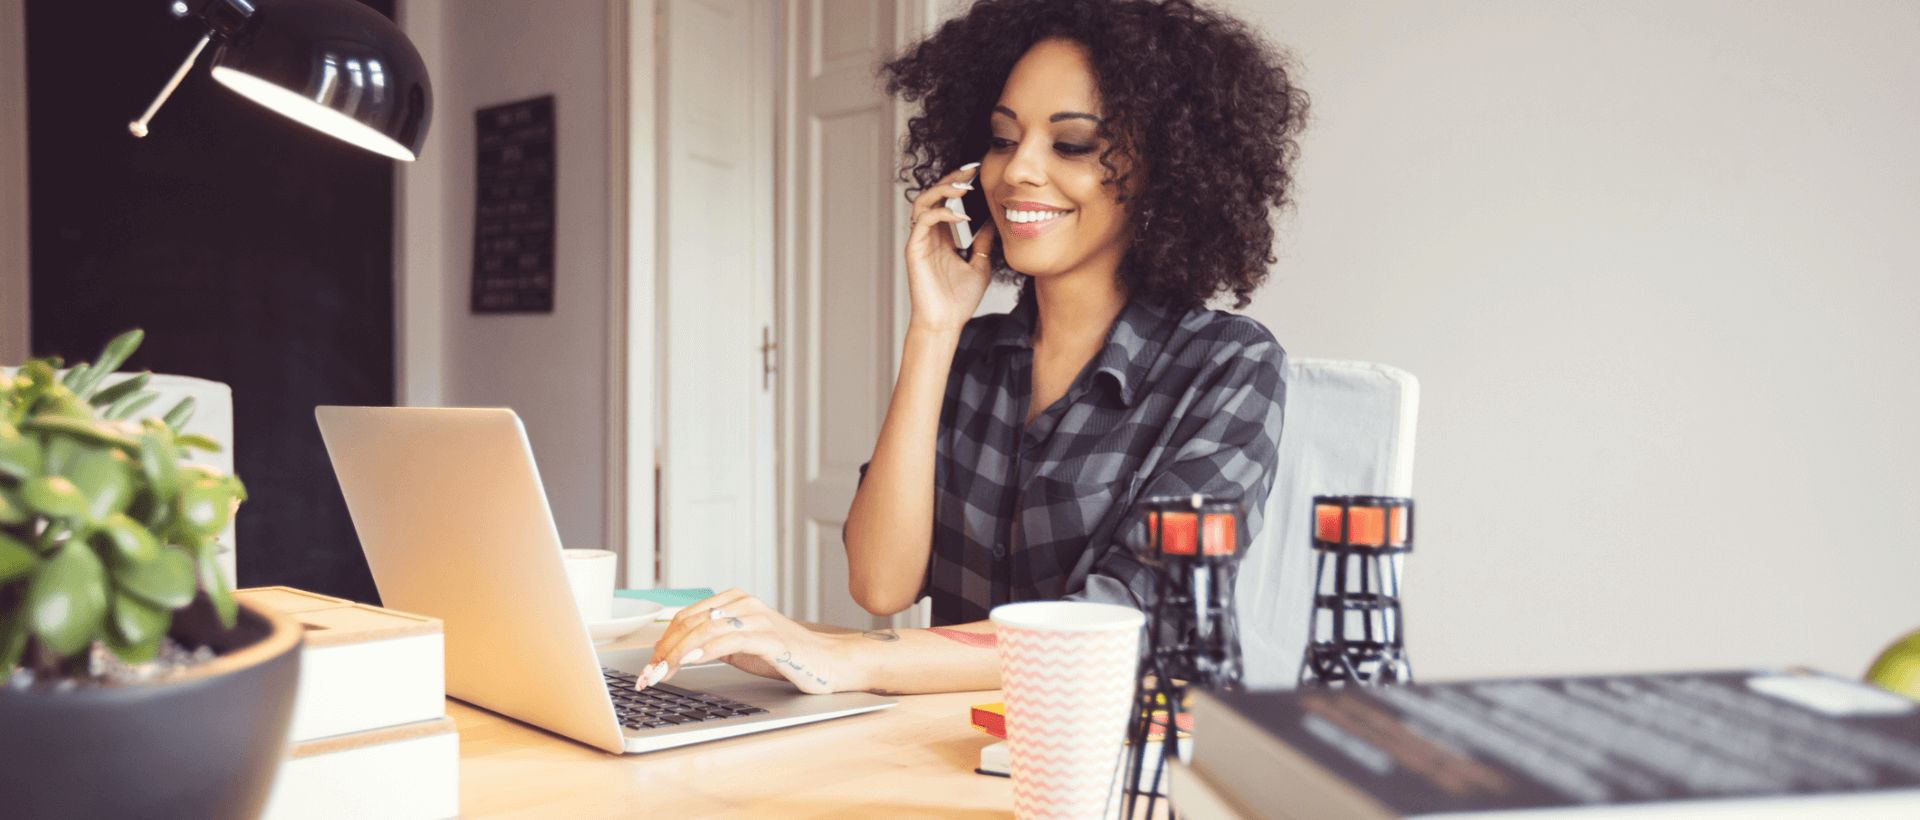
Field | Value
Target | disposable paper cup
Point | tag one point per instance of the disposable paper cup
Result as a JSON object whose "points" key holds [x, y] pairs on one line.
{"points": [[590, 574], [1068, 669]]}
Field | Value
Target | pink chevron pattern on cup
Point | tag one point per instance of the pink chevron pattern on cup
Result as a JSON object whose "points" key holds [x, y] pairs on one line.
{"points": [[1068, 692]]}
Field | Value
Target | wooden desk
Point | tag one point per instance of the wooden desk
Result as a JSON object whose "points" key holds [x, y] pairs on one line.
{"points": [[913, 760]]}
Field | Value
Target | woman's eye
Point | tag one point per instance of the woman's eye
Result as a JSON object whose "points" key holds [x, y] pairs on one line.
{"points": [[1073, 149], [1000, 143]]}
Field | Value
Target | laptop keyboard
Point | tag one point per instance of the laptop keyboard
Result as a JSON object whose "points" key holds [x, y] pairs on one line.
{"points": [[662, 706]]}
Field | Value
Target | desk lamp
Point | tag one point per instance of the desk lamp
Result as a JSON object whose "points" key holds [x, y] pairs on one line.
{"points": [[336, 66]]}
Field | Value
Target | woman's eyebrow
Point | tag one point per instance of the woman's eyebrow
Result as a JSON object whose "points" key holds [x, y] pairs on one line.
{"points": [[1064, 115]]}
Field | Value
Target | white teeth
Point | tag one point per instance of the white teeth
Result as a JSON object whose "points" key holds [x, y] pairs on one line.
{"points": [[1031, 216]]}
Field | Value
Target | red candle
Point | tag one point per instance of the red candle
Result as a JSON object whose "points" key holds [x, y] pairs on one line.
{"points": [[1178, 533], [1364, 525], [1220, 533]]}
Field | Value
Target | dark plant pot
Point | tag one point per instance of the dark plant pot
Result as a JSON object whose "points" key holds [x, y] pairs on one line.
{"points": [[205, 746]]}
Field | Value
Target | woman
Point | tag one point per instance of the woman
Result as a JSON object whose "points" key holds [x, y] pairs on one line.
{"points": [[1129, 153]]}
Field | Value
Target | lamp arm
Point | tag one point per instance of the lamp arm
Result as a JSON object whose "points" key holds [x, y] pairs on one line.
{"points": [[139, 126]]}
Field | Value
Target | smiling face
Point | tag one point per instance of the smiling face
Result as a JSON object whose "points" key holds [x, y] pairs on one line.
{"points": [[1042, 175]]}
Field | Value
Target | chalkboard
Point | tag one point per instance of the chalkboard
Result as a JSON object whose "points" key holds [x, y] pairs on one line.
{"points": [[253, 250], [513, 208]]}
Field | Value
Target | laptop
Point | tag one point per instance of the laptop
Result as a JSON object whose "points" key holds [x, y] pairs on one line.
{"points": [[455, 525]]}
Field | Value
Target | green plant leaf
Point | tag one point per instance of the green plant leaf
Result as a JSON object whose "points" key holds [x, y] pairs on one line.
{"points": [[54, 495], [127, 539], [137, 622], [160, 461], [16, 559], [181, 413], [13, 639], [197, 442], [121, 389], [165, 581], [88, 431], [77, 375], [215, 584], [19, 453], [105, 477], [206, 500], [111, 357], [129, 405], [67, 599], [12, 509]]}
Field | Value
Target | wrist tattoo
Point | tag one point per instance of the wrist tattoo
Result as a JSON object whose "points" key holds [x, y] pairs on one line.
{"points": [[881, 635], [787, 661]]}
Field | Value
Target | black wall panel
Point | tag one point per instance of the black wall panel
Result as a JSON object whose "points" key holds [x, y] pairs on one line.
{"points": [[252, 250]]}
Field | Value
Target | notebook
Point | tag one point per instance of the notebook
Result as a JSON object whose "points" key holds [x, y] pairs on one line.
{"points": [[455, 525]]}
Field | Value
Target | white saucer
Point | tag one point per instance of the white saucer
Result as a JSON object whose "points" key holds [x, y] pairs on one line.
{"points": [[629, 614]]}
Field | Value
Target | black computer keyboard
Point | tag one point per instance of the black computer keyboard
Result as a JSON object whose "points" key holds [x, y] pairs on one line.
{"points": [[663, 705]]}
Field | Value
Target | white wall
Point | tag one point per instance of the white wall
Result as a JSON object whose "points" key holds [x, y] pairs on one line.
{"points": [[550, 368], [1657, 266]]}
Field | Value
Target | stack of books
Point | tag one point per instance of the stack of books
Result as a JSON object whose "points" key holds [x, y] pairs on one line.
{"points": [[370, 737], [1769, 744]]}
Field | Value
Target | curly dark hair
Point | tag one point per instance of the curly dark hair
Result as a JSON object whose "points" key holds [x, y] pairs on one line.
{"points": [[1199, 99]]}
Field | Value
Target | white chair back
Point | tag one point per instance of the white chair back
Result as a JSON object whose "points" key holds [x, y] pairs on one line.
{"points": [[1349, 430]]}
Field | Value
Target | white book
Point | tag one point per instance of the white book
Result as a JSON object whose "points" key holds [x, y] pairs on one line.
{"points": [[409, 772], [361, 667]]}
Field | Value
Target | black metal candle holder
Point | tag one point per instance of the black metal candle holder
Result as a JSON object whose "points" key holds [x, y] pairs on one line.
{"points": [[1192, 638], [1356, 635]]}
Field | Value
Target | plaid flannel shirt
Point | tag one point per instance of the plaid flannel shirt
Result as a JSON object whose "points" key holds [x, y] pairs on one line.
{"points": [[1171, 405]]}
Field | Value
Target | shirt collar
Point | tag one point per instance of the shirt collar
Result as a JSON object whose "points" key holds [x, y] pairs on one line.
{"points": [[1134, 341]]}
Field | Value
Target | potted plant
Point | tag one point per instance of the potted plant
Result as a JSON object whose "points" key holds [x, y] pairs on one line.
{"points": [[131, 685]]}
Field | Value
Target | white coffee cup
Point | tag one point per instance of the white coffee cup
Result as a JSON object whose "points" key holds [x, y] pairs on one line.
{"points": [[1068, 669], [590, 574]]}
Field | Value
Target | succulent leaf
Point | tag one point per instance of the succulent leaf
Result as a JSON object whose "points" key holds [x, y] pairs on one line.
{"points": [[67, 599], [215, 584], [13, 510], [205, 502], [181, 413], [13, 638], [89, 431], [106, 478], [19, 453], [197, 442], [129, 405], [114, 355], [167, 580], [16, 559], [137, 622], [128, 539], [55, 495], [121, 389]]}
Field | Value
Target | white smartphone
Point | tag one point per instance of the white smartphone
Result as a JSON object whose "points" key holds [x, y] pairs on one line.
{"points": [[962, 231]]}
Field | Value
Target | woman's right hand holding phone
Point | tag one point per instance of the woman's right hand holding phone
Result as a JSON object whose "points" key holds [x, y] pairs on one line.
{"points": [[945, 288]]}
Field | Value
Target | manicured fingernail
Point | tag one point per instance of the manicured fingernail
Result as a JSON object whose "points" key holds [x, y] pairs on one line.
{"points": [[690, 657], [652, 674], [969, 166], [964, 186]]}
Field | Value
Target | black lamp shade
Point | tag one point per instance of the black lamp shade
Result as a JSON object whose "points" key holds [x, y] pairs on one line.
{"points": [[334, 65]]}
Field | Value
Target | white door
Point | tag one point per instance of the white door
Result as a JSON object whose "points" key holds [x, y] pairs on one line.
{"points": [[716, 295], [842, 284]]}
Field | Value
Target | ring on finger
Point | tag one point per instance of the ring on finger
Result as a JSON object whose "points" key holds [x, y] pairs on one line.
{"points": [[716, 613]]}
